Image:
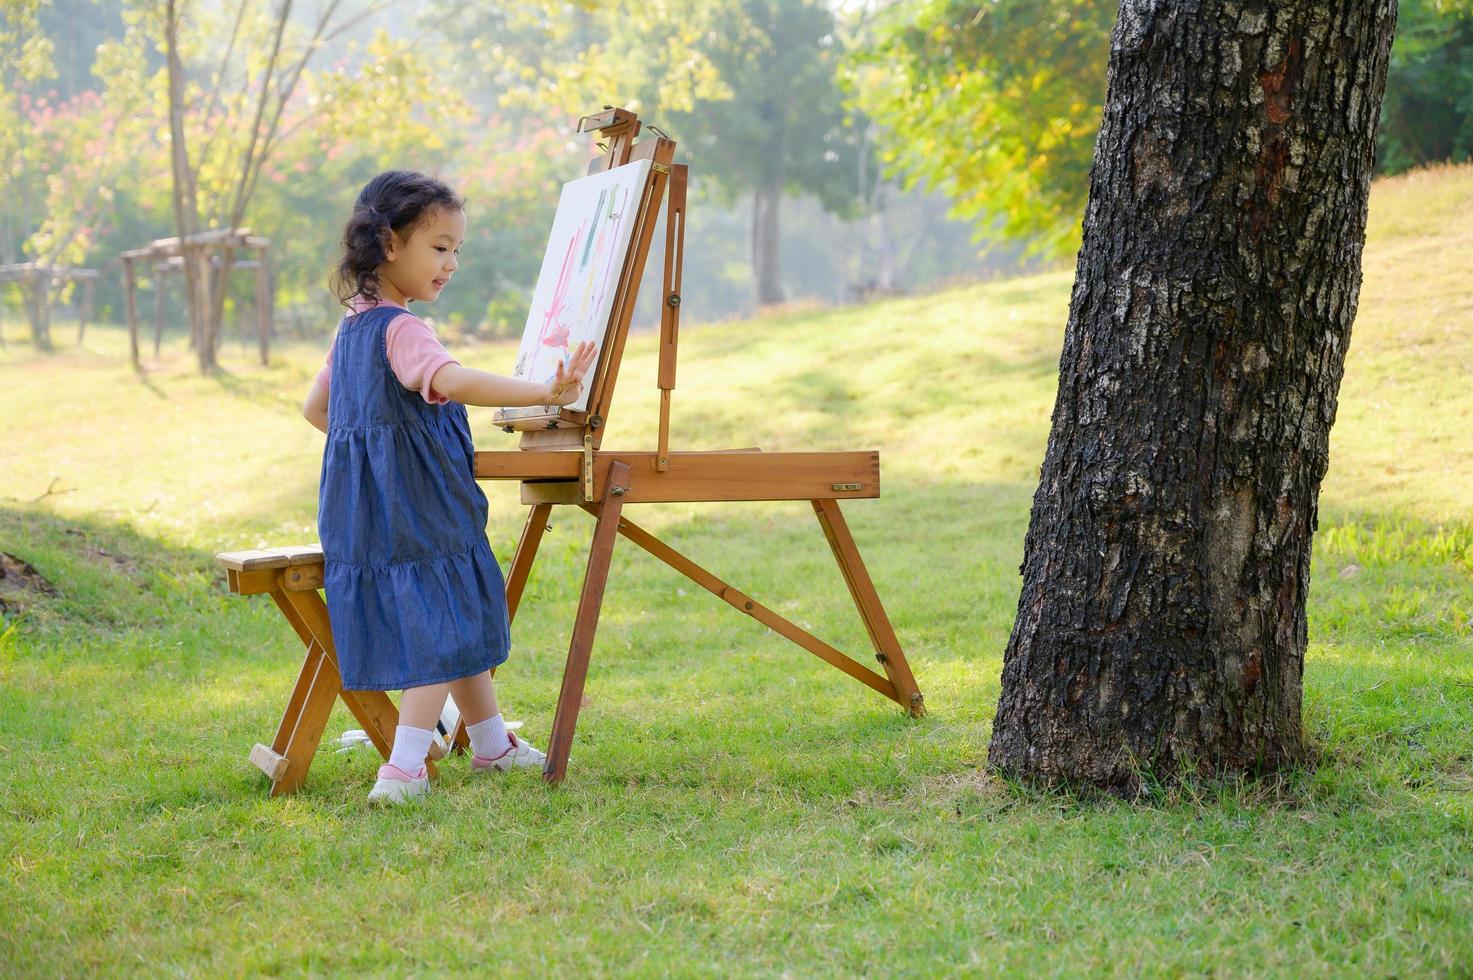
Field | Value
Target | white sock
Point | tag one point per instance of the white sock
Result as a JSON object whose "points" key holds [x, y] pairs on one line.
{"points": [[411, 745], [488, 738]]}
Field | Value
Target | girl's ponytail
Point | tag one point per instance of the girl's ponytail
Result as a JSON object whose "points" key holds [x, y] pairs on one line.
{"points": [[394, 202]]}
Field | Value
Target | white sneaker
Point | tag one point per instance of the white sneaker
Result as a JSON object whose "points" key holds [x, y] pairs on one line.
{"points": [[397, 786], [519, 755]]}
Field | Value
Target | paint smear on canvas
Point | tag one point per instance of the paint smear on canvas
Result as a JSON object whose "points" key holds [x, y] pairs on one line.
{"points": [[586, 251]]}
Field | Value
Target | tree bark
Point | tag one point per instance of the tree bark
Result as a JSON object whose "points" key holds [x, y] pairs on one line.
{"points": [[36, 288], [186, 196], [766, 226], [1161, 626]]}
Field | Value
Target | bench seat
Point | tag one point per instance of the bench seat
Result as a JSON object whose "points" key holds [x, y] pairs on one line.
{"points": [[258, 570]]}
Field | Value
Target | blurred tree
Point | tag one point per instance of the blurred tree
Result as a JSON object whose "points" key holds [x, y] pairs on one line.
{"points": [[997, 103], [1428, 113], [223, 105], [58, 164], [749, 88], [511, 177], [25, 59], [76, 29], [73, 161]]}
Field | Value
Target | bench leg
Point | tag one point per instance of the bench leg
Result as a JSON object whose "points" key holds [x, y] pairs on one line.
{"points": [[378, 716], [306, 717], [318, 684], [373, 709]]}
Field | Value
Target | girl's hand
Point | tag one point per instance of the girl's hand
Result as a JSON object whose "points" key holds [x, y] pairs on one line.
{"points": [[567, 384]]}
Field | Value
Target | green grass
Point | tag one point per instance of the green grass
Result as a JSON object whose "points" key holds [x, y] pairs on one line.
{"points": [[734, 805]]}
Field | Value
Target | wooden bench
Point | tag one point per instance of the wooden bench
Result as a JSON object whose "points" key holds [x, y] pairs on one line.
{"points": [[292, 577]]}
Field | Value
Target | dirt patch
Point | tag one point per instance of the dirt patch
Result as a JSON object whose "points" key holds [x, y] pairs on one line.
{"points": [[19, 582]]}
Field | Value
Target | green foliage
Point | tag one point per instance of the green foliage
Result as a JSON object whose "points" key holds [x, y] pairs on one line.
{"points": [[25, 50], [380, 104], [555, 60], [237, 113], [25, 59], [60, 158], [74, 149], [996, 104], [780, 121], [76, 28], [748, 87], [1428, 113], [511, 174]]}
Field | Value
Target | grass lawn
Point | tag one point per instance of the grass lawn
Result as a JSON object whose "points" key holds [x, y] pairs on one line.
{"points": [[733, 804]]}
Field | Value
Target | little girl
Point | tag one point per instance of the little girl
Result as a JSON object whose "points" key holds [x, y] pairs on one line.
{"points": [[416, 598]]}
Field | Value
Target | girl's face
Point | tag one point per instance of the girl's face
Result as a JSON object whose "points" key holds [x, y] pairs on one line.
{"points": [[420, 267]]}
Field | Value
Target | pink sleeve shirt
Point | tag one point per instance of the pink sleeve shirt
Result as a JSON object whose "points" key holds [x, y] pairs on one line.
{"points": [[414, 354]]}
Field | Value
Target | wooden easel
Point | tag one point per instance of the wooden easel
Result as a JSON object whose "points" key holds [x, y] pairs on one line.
{"points": [[561, 462]]}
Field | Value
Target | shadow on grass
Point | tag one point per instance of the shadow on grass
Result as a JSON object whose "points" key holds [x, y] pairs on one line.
{"points": [[142, 624], [150, 386], [107, 576], [262, 389]]}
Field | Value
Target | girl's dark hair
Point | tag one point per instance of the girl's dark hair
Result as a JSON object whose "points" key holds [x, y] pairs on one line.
{"points": [[394, 201]]}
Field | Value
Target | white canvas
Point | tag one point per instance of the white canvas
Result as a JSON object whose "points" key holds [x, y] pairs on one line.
{"points": [[580, 271]]}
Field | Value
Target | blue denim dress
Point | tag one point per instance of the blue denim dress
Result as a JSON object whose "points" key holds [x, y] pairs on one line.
{"points": [[415, 595]]}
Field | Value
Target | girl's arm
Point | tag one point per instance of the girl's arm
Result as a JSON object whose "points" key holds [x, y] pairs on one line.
{"points": [[314, 409], [471, 387]]}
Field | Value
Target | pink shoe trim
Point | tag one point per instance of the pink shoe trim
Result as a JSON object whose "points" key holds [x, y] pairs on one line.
{"points": [[481, 761], [390, 771]]}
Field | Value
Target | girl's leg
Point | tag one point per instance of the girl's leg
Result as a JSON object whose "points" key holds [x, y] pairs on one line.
{"points": [[475, 697], [419, 712], [420, 707]]}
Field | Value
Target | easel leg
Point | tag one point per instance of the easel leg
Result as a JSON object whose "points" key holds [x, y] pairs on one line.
{"points": [[589, 603], [867, 600], [745, 603], [521, 563], [516, 583]]}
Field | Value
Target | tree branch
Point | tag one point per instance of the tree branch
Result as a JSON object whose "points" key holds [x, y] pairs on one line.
{"points": [[219, 78], [284, 94], [238, 205], [362, 15]]}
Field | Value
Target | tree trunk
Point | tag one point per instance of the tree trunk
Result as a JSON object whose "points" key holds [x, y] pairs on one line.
{"points": [[204, 340], [36, 288], [766, 271], [886, 277], [219, 288], [186, 198], [1161, 626]]}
